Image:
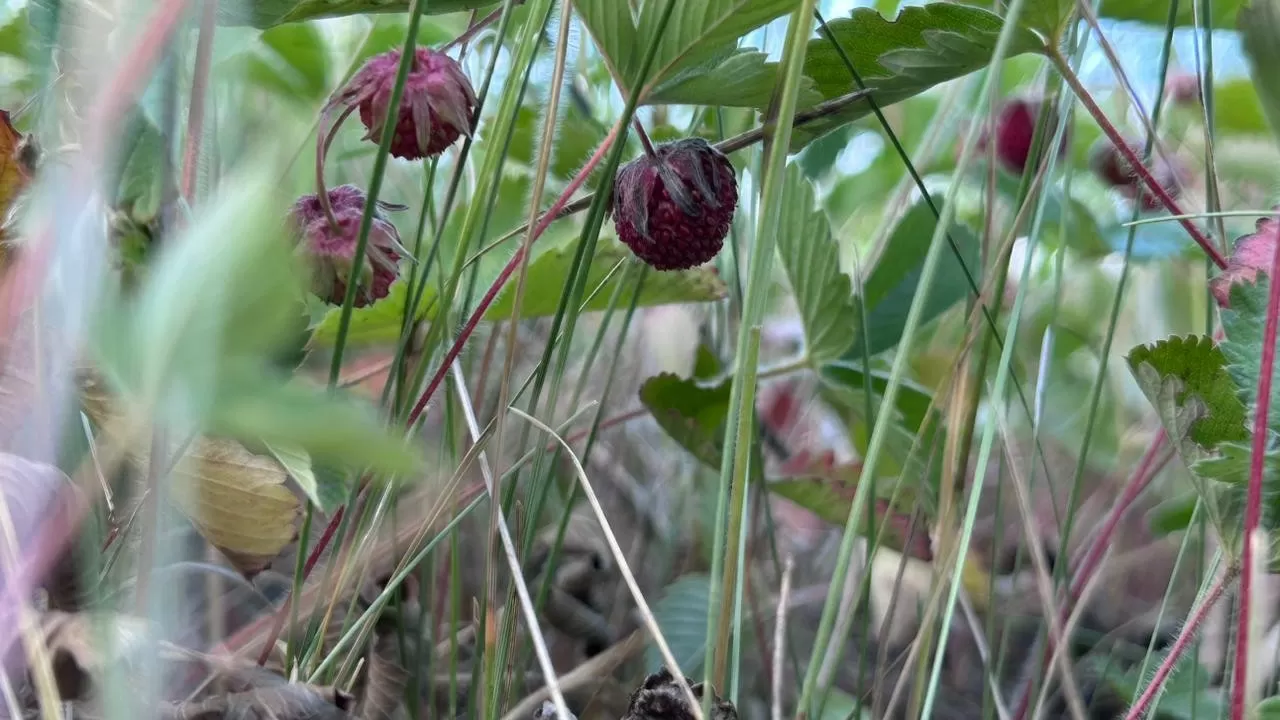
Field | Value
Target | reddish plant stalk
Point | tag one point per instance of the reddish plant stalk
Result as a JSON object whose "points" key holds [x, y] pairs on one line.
{"points": [[1253, 502], [1150, 465], [199, 95], [1136, 163], [1194, 621], [492, 294], [278, 625]]}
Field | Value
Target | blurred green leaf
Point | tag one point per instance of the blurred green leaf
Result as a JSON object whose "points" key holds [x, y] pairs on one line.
{"points": [[894, 280], [811, 261], [1186, 695], [741, 78], [614, 30], [848, 382], [1237, 108], [681, 613], [1259, 25], [387, 32], [13, 35], [298, 464], [377, 323], [576, 139], [329, 427], [697, 32], [140, 190], [693, 415], [292, 59], [1172, 515], [1156, 12], [548, 272], [1268, 709], [268, 13], [920, 48]]}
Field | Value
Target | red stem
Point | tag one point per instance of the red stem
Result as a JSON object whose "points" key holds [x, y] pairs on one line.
{"points": [[1253, 503], [512, 264], [314, 557], [199, 94], [1180, 645], [1150, 465], [1136, 163]]}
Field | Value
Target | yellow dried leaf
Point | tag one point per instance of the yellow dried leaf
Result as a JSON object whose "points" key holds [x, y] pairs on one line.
{"points": [[238, 501]]}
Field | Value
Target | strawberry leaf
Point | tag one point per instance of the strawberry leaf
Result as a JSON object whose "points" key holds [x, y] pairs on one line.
{"points": [[693, 415], [268, 13], [738, 78]]}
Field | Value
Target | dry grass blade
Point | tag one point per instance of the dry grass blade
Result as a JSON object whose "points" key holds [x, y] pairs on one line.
{"points": [[651, 624]]}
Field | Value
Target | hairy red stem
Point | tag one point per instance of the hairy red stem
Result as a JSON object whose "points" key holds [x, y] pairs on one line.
{"points": [[492, 294], [1194, 621], [1136, 162], [1253, 502]]}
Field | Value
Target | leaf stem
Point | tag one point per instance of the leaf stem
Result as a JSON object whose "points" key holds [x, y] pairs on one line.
{"points": [[1253, 502], [1194, 621], [1132, 158], [644, 138]]}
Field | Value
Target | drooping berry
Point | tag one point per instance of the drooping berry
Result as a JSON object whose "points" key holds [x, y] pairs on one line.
{"points": [[1015, 129], [674, 208], [1252, 253], [1182, 88], [330, 243], [1111, 166], [436, 107]]}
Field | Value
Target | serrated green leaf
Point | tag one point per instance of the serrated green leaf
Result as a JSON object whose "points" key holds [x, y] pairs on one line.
{"points": [[1244, 324], [614, 30], [921, 47], [1259, 24], [742, 78], [1230, 468], [681, 613], [698, 31], [269, 13], [375, 323], [548, 271], [1201, 368], [693, 415], [811, 261], [896, 276]]}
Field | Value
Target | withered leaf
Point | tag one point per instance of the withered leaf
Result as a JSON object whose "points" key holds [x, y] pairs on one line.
{"points": [[238, 501], [384, 686], [82, 645]]}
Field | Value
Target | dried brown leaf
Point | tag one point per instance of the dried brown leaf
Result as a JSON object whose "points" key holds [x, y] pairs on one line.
{"points": [[384, 686], [295, 701]]}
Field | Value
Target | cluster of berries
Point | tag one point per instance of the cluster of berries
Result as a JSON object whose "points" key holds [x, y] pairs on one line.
{"points": [[672, 207]]}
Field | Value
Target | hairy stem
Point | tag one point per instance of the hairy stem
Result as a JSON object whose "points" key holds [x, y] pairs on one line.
{"points": [[1194, 621]]}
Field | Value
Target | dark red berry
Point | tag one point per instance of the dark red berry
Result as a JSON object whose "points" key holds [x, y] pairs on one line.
{"points": [[436, 107], [330, 243], [1251, 253], [674, 209], [1015, 128], [1115, 171]]}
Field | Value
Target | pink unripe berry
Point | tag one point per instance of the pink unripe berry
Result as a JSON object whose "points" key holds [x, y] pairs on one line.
{"points": [[436, 108]]}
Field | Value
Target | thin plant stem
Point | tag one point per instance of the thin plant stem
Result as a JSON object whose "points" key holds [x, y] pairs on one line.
{"points": [[1132, 158], [1253, 499], [199, 97], [1180, 645], [644, 137]]}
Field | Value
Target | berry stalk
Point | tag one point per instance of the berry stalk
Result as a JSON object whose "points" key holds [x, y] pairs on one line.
{"points": [[1138, 166]]}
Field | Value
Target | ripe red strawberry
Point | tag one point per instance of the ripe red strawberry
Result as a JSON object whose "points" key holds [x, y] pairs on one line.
{"points": [[1111, 167], [674, 208], [436, 107], [1015, 128], [330, 242], [1251, 254]]}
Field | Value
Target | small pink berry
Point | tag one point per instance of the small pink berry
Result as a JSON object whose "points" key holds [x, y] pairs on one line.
{"points": [[1251, 253], [436, 108], [1183, 88], [331, 245], [675, 208]]}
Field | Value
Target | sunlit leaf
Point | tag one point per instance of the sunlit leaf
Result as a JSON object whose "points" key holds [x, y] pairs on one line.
{"points": [[379, 322], [921, 47], [895, 279], [811, 260], [548, 271], [267, 13], [740, 78]]}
